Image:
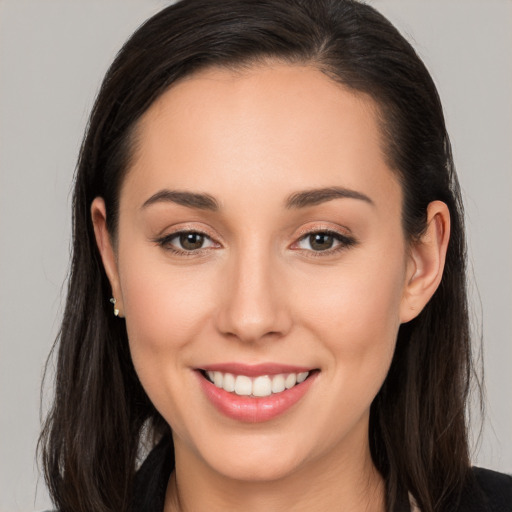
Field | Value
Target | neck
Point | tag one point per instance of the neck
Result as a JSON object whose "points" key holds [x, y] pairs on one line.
{"points": [[337, 481]]}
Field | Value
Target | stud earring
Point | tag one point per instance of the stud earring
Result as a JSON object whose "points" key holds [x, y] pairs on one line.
{"points": [[116, 311]]}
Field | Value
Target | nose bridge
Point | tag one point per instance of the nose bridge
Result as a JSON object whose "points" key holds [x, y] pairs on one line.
{"points": [[252, 307]]}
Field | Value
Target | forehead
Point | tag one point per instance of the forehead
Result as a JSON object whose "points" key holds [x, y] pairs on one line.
{"points": [[268, 127], [294, 100]]}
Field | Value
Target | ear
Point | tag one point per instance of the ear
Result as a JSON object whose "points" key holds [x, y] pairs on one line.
{"points": [[426, 262], [108, 256]]}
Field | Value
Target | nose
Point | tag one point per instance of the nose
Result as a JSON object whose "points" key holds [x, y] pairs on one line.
{"points": [[253, 302]]}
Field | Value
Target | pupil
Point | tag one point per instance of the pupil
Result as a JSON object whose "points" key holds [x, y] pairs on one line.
{"points": [[191, 241], [321, 241]]}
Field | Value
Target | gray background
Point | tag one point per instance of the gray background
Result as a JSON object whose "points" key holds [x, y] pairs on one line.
{"points": [[53, 54]]}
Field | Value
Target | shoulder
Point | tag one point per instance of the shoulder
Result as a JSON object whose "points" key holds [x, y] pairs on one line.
{"points": [[496, 488]]}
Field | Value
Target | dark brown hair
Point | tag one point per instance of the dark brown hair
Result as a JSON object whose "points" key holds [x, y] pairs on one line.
{"points": [[417, 431]]}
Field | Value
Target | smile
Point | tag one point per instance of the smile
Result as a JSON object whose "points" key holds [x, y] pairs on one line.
{"points": [[263, 385], [254, 393]]}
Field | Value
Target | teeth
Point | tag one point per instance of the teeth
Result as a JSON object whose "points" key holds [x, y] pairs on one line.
{"points": [[243, 385], [229, 382], [218, 378], [278, 384], [290, 380], [263, 385], [301, 377]]}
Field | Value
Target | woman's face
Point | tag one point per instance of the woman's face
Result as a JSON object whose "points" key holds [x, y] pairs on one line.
{"points": [[260, 237]]}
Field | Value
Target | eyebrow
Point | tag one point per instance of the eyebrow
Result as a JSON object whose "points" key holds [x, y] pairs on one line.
{"points": [[321, 195], [301, 199], [189, 199]]}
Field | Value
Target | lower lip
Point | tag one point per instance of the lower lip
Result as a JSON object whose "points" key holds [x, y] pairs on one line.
{"points": [[254, 410]]}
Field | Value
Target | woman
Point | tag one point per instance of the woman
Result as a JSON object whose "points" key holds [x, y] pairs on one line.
{"points": [[268, 278]]}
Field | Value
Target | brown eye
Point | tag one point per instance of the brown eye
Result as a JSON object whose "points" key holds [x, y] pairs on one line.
{"points": [[191, 241], [186, 242], [324, 241], [321, 241]]}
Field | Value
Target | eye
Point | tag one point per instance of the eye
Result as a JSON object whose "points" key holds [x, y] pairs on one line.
{"points": [[183, 242], [190, 241], [324, 241]]}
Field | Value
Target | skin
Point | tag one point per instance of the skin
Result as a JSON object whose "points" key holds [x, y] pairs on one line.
{"points": [[257, 291]]}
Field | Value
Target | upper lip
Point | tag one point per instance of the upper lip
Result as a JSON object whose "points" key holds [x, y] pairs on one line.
{"points": [[253, 370]]}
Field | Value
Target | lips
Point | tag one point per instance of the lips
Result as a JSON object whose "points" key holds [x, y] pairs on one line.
{"points": [[254, 393]]}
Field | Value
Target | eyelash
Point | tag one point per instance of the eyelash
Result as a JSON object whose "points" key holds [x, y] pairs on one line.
{"points": [[344, 242], [165, 242]]}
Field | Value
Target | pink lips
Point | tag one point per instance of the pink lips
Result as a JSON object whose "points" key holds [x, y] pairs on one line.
{"points": [[250, 409]]}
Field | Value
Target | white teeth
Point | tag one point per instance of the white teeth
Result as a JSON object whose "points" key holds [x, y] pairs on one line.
{"points": [[243, 385], [217, 379], [229, 382], [301, 377], [290, 380], [263, 385], [278, 384]]}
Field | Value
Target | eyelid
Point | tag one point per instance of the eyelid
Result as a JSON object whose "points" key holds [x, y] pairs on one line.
{"points": [[163, 240], [337, 230], [190, 227], [345, 240], [324, 228]]}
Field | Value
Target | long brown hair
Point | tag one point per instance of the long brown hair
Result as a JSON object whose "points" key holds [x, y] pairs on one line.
{"points": [[418, 436]]}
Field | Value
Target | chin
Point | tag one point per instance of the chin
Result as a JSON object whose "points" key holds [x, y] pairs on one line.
{"points": [[273, 469], [257, 462]]}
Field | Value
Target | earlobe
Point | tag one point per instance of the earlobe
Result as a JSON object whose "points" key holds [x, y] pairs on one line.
{"points": [[426, 262], [106, 249]]}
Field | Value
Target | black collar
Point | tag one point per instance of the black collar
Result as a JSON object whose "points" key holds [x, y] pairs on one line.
{"points": [[152, 478]]}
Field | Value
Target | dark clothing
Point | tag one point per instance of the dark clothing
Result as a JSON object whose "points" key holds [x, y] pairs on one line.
{"points": [[152, 477], [496, 489], [489, 492]]}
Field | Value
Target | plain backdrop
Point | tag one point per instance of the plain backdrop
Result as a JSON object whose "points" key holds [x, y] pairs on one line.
{"points": [[53, 54]]}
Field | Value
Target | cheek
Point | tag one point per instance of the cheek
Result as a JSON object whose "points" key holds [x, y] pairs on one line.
{"points": [[165, 307], [361, 296], [355, 312]]}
